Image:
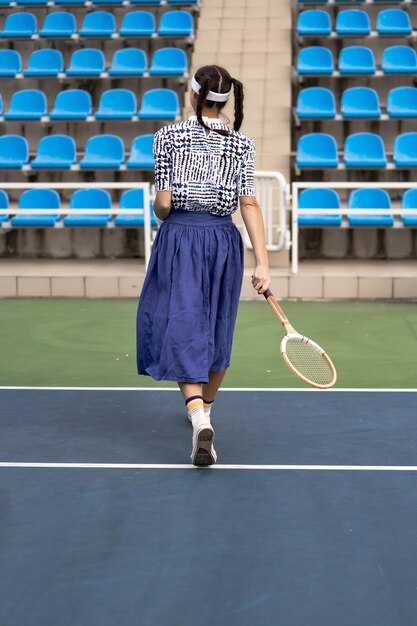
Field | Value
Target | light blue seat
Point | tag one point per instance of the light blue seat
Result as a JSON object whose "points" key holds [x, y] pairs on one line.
{"points": [[317, 150], [141, 154], [129, 62], [402, 102], [133, 199], [315, 60], [36, 2], [182, 1], [357, 60], [370, 199], [38, 199], [353, 22], [169, 61], [14, 151], [399, 60], [117, 2], [138, 23], [364, 150], [176, 23], [27, 104], [78, 2], [409, 201], [98, 24], [159, 104], [86, 62], [89, 199], [405, 150], [4, 204], [10, 63], [360, 102], [314, 22], [59, 24], [393, 22], [72, 104], [45, 62], [320, 198], [117, 104], [19, 25], [103, 151], [316, 103], [55, 152], [145, 1]]}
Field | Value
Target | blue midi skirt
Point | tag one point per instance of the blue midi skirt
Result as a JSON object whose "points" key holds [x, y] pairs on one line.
{"points": [[189, 300]]}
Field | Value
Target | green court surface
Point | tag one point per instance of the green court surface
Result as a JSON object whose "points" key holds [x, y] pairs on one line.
{"points": [[81, 343]]}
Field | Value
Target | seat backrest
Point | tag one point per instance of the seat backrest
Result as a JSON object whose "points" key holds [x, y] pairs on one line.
{"points": [[165, 99], [319, 144], [357, 59], [314, 21], [353, 21], [27, 100], [393, 21], [61, 147], [369, 199], [74, 100], [139, 19], [21, 22], [14, 147], [100, 20], [60, 21], [104, 145], [399, 58], [4, 200], [170, 57], [409, 199], [46, 58], [130, 58], [88, 58], [91, 199], [177, 20], [10, 60], [39, 199], [318, 100], [357, 99], [132, 199], [364, 146], [406, 145], [141, 148], [402, 99], [315, 59], [320, 198], [118, 100]]}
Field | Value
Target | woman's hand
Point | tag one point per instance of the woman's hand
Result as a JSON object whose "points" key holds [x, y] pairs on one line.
{"points": [[261, 279]]}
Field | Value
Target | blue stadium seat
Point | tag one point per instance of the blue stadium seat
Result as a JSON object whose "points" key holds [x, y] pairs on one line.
{"points": [[141, 154], [360, 102], [145, 1], [58, 24], [393, 22], [176, 23], [14, 151], [356, 60], [314, 22], [317, 150], [353, 22], [402, 102], [36, 2], [138, 23], [86, 62], [321, 198], [103, 151], [89, 199], [98, 24], [182, 1], [133, 199], [169, 61], [4, 204], [370, 199], [10, 63], [405, 150], [159, 104], [37, 199], [315, 60], [364, 150], [128, 62], [19, 25], [117, 104], [399, 60], [55, 152], [58, 2], [72, 104], [27, 104], [316, 103], [117, 2], [409, 201], [45, 62]]}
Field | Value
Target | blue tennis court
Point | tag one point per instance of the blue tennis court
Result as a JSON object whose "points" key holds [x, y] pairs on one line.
{"points": [[308, 518]]}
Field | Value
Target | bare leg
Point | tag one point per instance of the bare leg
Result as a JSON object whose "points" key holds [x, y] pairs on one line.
{"points": [[190, 389], [211, 388]]}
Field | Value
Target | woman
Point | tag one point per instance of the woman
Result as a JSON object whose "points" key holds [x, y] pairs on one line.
{"points": [[188, 305]]}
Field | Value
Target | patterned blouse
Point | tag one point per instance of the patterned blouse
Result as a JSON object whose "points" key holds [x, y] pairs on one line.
{"points": [[204, 170]]}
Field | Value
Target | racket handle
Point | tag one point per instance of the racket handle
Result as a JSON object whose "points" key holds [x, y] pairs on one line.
{"points": [[279, 312]]}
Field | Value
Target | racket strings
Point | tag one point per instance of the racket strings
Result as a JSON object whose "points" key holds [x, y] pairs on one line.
{"points": [[308, 362]]}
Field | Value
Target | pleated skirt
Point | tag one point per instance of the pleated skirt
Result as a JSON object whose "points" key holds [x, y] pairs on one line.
{"points": [[189, 301]]}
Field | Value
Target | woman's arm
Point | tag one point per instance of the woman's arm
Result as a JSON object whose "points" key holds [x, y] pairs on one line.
{"points": [[162, 204], [253, 219]]}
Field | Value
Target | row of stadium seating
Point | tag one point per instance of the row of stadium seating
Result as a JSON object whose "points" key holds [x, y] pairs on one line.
{"points": [[324, 198], [76, 104], [361, 150], [91, 62], [356, 102], [356, 60], [81, 199], [99, 24], [356, 1], [316, 22], [47, 3]]}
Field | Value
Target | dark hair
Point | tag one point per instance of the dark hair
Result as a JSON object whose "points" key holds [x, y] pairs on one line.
{"points": [[216, 78]]}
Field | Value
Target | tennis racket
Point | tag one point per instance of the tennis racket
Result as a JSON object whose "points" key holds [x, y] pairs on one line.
{"points": [[305, 358]]}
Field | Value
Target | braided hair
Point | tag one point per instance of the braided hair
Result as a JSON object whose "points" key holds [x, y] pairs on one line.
{"points": [[216, 78]]}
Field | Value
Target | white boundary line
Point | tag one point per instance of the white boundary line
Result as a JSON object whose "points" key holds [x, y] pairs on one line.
{"points": [[240, 389], [308, 468]]}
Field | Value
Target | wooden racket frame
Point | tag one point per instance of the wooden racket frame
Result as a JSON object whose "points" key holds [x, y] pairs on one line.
{"points": [[290, 330]]}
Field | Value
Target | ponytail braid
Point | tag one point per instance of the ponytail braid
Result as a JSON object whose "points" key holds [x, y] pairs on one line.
{"points": [[238, 91]]}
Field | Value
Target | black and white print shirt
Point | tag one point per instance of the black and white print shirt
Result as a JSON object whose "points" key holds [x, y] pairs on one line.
{"points": [[204, 170]]}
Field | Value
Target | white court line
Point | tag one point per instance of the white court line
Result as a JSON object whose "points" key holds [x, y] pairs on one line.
{"points": [[307, 468], [240, 389]]}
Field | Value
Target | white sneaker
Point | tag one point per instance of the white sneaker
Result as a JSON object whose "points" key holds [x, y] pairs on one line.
{"points": [[203, 452]]}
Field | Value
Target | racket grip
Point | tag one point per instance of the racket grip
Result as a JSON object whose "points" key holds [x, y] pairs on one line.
{"points": [[268, 293]]}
